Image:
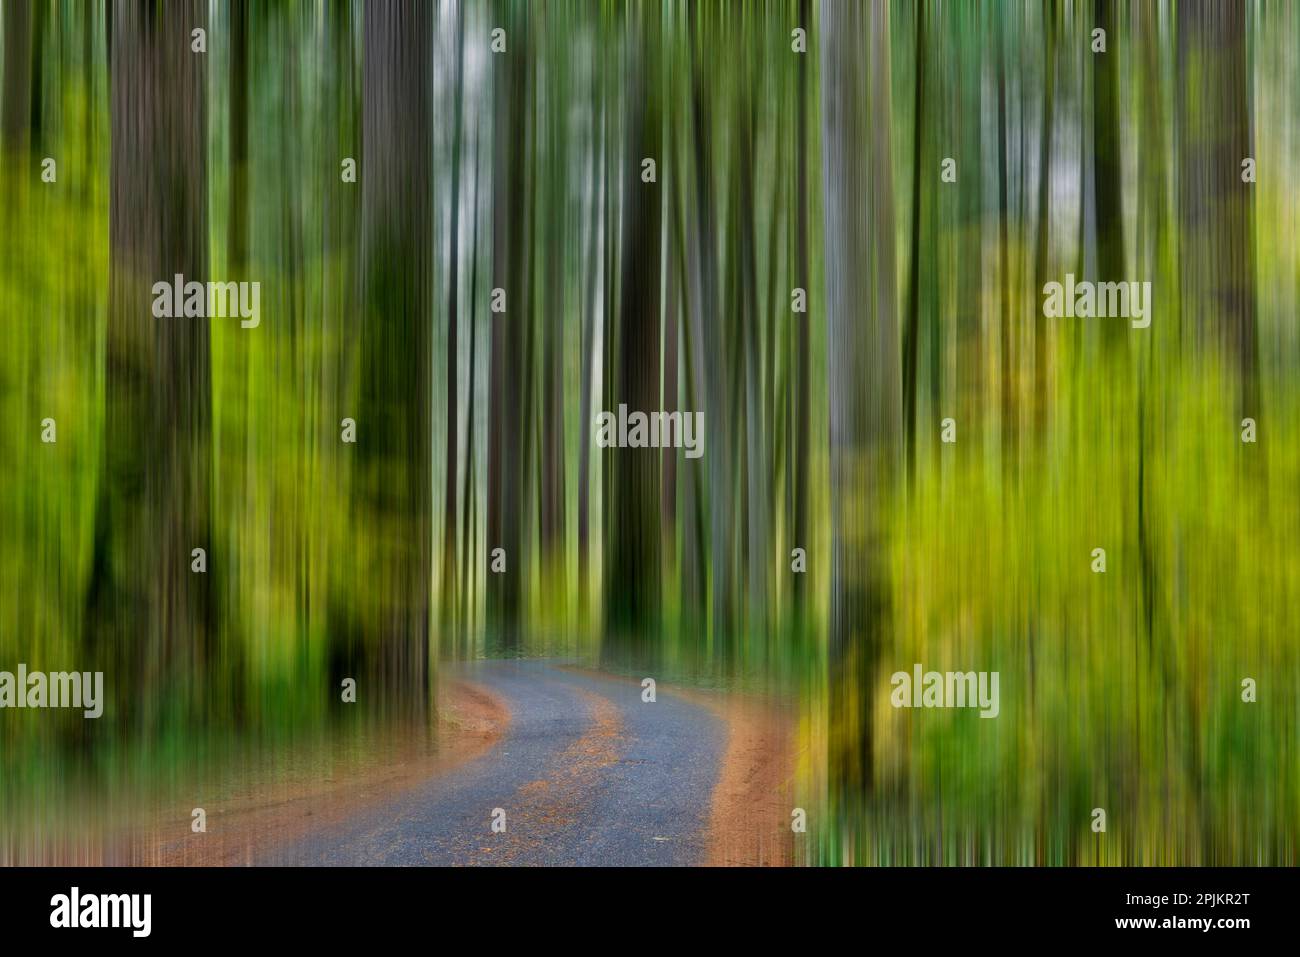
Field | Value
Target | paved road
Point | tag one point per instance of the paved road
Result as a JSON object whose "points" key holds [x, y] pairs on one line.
{"points": [[586, 773]]}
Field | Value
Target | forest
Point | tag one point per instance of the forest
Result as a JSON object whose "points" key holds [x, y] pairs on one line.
{"points": [[839, 241]]}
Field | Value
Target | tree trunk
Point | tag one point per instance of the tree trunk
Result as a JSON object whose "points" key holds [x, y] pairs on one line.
{"points": [[505, 387], [756, 427], [1044, 223], [920, 170], [152, 614], [585, 421], [633, 585], [16, 113], [803, 385], [672, 325], [1216, 208], [1010, 420], [717, 420], [469, 499], [394, 442], [863, 369], [551, 451], [447, 591], [1108, 173]]}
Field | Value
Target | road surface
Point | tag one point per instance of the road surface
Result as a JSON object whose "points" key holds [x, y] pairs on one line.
{"points": [[586, 773]]}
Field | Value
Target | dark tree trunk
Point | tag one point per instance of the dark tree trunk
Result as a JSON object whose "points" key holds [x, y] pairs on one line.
{"points": [[1108, 173], [1216, 208], [920, 169], [505, 403], [803, 386], [394, 439], [551, 450], [15, 115], [633, 584], [36, 104], [237, 237], [152, 614]]}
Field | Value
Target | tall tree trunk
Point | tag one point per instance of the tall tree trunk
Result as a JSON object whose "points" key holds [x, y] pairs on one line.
{"points": [[343, 206], [672, 325], [16, 113], [470, 497], [505, 393], [551, 451], [237, 228], [718, 427], [394, 445], [36, 105], [1108, 173], [447, 590], [633, 584], [756, 428], [967, 105], [585, 422], [1216, 208], [340, 317], [694, 560], [237, 254], [1044, 221], [153, 614], [803, 385], [864, 390], [1010, 420], [920, 169]]}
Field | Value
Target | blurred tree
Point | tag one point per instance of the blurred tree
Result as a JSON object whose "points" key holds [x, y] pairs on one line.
{"points": [[14, 114], [394, 453], [149, 613], [802, 423], [863, 375], [1041, 246], [597, 189], [718, 424], [1010, 419], [633, 541], [449, 563], [1215, 206], [1108, 173], [556, 198], [921, 168], [510, 191], [469, 501]]}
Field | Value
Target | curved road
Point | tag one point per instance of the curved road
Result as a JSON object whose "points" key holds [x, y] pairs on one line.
{"points": [[586, 773]]}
